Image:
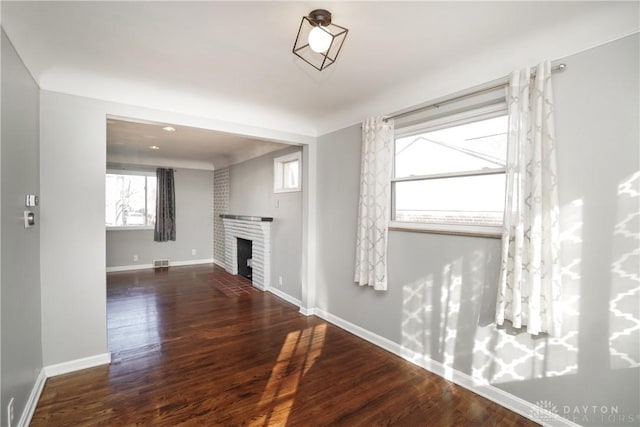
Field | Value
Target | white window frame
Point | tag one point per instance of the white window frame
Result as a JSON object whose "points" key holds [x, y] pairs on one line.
{"points": [[450, 120], [278, 171], [138, 173]]}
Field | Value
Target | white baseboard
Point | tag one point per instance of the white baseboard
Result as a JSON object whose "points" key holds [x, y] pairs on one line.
{"points": [[501, 397], [258, 286], [32, 402], [129, 267], [76, 365], [150, 266], [190, 262], [309, 312], [288, 298], [52, 371]]}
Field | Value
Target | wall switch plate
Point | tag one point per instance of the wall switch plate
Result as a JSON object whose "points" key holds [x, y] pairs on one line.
{"points": [[193, 251], [29, 219], [135, 257], [279, 280]]}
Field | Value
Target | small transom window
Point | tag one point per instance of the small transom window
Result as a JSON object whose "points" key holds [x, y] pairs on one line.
{"points": [[287, 173]]}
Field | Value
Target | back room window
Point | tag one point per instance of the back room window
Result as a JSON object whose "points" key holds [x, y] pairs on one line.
{"points": [[130, 200]]}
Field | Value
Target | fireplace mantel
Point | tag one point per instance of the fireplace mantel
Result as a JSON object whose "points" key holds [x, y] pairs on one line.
{"points": [[247, 218], [256, 229]]}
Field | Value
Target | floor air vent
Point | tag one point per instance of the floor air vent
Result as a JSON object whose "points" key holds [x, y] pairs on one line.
{"points": [[160, 263]]}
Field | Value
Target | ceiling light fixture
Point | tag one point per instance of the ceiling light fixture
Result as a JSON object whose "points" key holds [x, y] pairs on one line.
{"points": [[154, 147], [169, 129], [319, 41]]}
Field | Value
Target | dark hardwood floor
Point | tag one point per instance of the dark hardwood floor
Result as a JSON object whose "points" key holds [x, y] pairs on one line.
{"points": [[185, 353]]}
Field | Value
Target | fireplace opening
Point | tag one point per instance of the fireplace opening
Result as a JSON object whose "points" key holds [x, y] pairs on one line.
{"points": [[245, 249]]}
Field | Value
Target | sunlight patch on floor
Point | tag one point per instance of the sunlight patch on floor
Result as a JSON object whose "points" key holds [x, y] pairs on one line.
{"points": [[298, 354]]}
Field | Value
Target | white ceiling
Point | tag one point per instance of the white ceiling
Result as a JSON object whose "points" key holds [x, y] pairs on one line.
{"points": [[232, 61], [130, 142]]}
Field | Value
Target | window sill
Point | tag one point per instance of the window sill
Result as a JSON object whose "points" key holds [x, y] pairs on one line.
{"points": [[130, 228], [286, 190], [494, 232]]}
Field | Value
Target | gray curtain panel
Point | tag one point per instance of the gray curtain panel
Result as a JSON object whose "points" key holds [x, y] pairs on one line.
{"points": [[165, 229]]}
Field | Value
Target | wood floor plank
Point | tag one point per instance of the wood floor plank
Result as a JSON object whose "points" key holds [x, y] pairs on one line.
{"points": [[184, 353]]}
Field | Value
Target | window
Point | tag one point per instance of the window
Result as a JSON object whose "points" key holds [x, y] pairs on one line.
{"points": [[286, 173], [130, 200], [451, 171]]}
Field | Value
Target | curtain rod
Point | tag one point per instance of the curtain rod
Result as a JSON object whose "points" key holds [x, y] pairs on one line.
{"points": [[505, 83]]}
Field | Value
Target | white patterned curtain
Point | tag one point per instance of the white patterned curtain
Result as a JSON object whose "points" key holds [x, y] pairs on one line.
{"points": [[529, 287], [374, 208]]}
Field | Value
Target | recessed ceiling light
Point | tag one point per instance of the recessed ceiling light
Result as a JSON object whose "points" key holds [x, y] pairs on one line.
{"points": [[154, 147], [169, 129]]}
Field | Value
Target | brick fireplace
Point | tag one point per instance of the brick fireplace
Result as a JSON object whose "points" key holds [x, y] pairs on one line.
{"points": [[257, 230]]}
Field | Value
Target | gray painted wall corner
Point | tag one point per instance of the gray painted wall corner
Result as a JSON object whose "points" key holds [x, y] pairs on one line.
{"points": [[20, 295]]}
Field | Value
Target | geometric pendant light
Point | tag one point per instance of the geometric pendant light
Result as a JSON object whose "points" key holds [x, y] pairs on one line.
{"points": [[319, 41]]}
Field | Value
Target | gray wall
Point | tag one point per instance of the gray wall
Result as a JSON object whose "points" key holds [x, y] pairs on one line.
{"points": [[441, 296], [72, 237], [251, 193], [20, 294], [220, 206], [194, 227]]}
